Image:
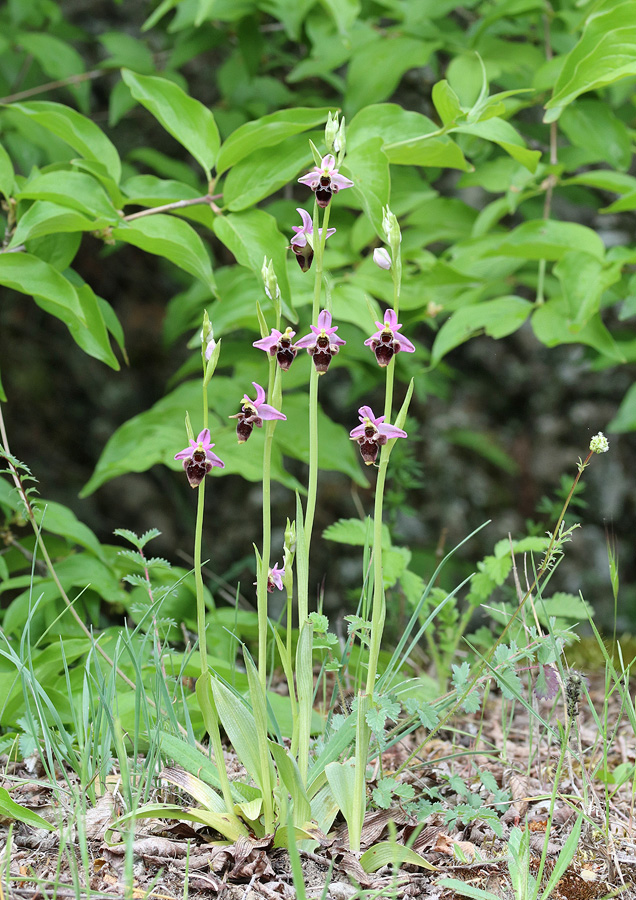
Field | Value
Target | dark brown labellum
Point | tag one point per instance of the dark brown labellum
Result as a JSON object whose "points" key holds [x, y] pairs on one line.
{"points": [[243, 430]]}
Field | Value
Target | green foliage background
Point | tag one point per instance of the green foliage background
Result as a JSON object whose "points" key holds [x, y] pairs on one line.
{"points": [[501, 133]]}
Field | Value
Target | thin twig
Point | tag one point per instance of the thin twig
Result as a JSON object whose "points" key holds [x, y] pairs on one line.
{"points": [[178, 204], [52, 85]]}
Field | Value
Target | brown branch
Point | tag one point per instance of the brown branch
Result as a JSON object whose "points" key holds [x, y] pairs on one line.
{"points": [[178, 204], [52, 85]]}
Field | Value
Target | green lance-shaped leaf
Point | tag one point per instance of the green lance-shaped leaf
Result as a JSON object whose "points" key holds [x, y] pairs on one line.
{"points": [[45, 217], [13, 810], [173, 239], [501, 132], [76, 130], [496, 318], [605, 53], [75, 190], [188, 121], [59, 60], [229, 826], [552, 326], [391, 853], [252, 235], [268, 131], [7, 175], [265, 171], [377, 66], [548, 239], [368, 166], [30, 275]]}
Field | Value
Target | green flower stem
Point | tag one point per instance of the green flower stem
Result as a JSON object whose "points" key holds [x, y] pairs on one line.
{"points": [[198, 536], [378, 608], [198, 580], [312, 482], [363, 735], [263, 572]]}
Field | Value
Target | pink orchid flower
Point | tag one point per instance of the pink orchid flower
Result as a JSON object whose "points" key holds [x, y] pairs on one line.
{"points": [[279, 344], [325, 180], [322, 343], [198, 458], [303, 241], [252, 413], [372, 434], [386, 342]]}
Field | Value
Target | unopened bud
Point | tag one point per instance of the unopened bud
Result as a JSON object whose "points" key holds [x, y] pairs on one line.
{"points": [[340, 142], [391, 228], [331, 132], [381, 258], [270, 281]]}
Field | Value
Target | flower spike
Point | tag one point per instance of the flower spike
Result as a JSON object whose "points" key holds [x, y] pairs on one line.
{"points": [[198, 458], [387, 341], [252, 413], [322, 343], [325, 180], [372, 434]]}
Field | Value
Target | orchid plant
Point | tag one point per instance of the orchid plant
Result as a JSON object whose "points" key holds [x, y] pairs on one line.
{"points": [[375, 437]]}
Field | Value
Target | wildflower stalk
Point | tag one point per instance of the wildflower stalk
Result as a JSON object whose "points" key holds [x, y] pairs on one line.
{"points": [[378, 609], [263, 570], [312, 484]]}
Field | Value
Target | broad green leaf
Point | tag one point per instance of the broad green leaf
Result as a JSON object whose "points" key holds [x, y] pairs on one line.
{"points": [[501, 132], [74, 129], [344, 13], [98, 170], [12, 810], [428, 151], [591, 125], [496, 318], [59, 60], [583, 280], [625, 418], [549, 239], [187, 120], [251, 236], [625, 204], [155, 435], [446, 103], [149, 191], [238, 721], [391, 853], [336, 452], [172, 238], [44, 217], [58, 519], [552, 326], [605, 53], [289, 774], [605, 180], [387, 120], [94, 338], [291, 15], [127, 51], [421, 142], [267, 131], [30, 275], [75, 190], [267, 170], [368, 167], [355, 532], [376, 68], [342, 779], [7, 175], [229, 826]]}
